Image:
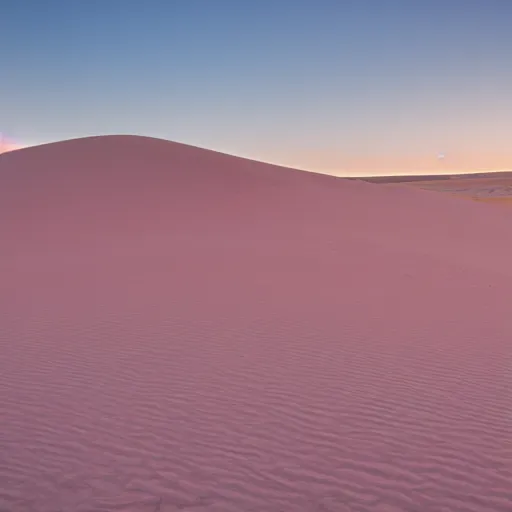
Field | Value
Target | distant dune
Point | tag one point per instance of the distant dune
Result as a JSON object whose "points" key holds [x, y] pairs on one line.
{"points": [[437, 177], [182, 329], [491, 187]]}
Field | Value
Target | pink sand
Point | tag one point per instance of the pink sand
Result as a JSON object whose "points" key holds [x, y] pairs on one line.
{"points": [[181, 328]]}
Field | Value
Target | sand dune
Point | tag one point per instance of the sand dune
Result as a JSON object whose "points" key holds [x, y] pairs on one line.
{"points": [[182, 329]]}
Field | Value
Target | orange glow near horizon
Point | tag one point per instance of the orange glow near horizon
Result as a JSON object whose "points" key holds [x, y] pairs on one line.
{"points": [[332, 161], [8, 145]]}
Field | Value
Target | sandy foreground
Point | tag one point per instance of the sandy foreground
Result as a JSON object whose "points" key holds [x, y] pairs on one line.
{"points": [[186, 330]]}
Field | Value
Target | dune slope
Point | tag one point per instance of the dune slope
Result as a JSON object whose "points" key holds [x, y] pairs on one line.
{"points": [[185, 329]]}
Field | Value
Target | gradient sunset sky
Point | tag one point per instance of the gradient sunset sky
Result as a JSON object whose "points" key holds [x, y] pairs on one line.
{"points": [[348, 87]]}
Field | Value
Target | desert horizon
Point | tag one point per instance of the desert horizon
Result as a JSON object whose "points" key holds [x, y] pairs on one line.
{"points": [[384, 176]]}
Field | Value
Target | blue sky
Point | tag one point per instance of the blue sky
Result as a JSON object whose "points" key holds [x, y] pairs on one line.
{"points": [[341, 86]]}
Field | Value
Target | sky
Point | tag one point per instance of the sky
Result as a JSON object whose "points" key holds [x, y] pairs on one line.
{"points": [[347, 87]]}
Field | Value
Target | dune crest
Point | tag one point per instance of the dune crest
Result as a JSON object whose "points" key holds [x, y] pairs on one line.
{"points": [[182, 328]]}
